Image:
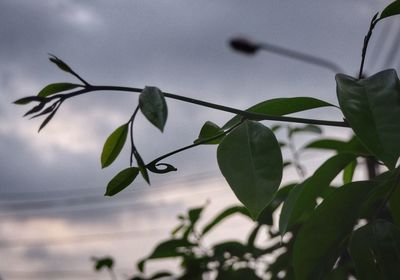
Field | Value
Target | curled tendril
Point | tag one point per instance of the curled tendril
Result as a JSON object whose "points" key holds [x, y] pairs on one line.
{"points": [[166, 167]]}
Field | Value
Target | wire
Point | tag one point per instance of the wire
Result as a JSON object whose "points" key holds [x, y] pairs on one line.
{"points": [[84, 238], [140, 206], [48, 192]]}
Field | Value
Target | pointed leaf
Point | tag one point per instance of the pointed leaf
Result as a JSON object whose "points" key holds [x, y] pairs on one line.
{"points": [[372, 108], [351, 146], [121, 180], [142, 166], [307, 128], [282, 106], [28, 99], [301, 199], [113, 145], [55, 88], [167, 249], [375, 250], [391, 10], [209, 130], [61, 64], [153, 106], [223, 215], [47, 119], [348, 172], [251, 161], [319, 241]]}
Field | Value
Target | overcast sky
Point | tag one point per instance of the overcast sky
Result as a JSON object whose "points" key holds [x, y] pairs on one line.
{"points": [[51, 183]]}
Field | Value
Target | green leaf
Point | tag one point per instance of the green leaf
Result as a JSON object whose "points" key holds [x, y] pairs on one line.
{"points": [[28, 99], [266, 216], [372, 108], [375, 250], [121, 180], [223, 215], [141, 165], [55, 88], [301, 199], [209, 130], [391, 10], [61, 64], [251, 161], [113, 145], [351, 146], [153, 106], [167, 249], [282, 106], [320, 240], [348, 172]]}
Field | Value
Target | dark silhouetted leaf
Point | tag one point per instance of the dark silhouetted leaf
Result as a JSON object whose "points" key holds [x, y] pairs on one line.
{"points": [[251, 161], [56, 88], [282, 106], [121, 180], [209, 130], [319, 241], [167, 249], [307, 128], [47, 119], [391, 10], [61, 64], [101, 263], [153, 106], [36, 109], [223, 215], [28, 99], [301, 199], [351, 146], [142, 166], [372, 108], [113, 145], [375, 250]]}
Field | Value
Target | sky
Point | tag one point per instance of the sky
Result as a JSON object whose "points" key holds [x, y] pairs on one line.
{"points": [[53, 215]]}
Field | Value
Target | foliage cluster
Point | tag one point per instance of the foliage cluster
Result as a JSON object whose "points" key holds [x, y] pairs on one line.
{"points": [[333, 232]]}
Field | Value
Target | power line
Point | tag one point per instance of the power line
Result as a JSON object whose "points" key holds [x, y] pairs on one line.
{"points": [[96, 198], [141, 206], [84, 238], [163, 182]]}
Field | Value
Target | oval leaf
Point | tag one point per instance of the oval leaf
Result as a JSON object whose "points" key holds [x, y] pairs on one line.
{"points": [[372, 108], [55, 88], [375, 250], [282, 106], [121, 180], [319, 241], [251, 161], [153, 106], [113, 145]]}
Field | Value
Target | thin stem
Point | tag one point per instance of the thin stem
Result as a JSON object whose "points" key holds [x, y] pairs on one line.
{"points": [[245, 114], [367, 37], [152, 166], [133, 148]]}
